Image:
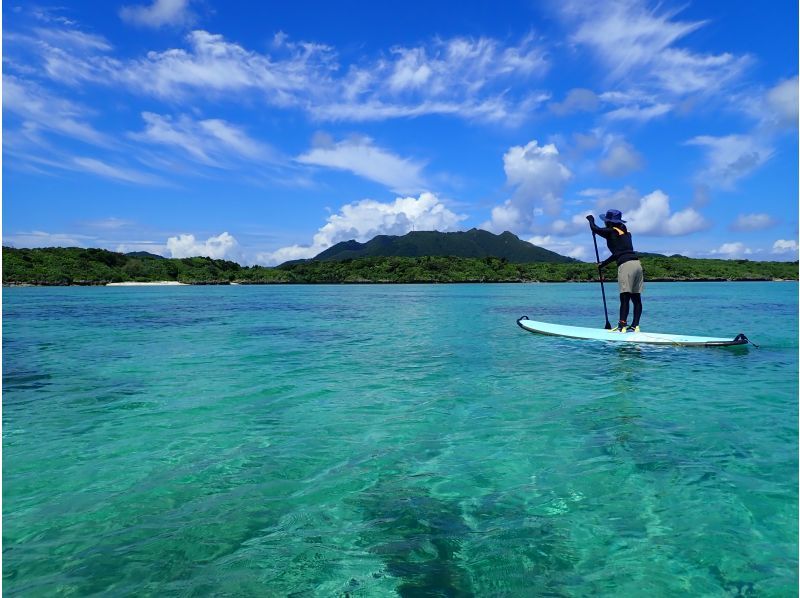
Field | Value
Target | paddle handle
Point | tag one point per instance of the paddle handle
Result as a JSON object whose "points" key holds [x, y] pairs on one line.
{"points": [[602, 287]]}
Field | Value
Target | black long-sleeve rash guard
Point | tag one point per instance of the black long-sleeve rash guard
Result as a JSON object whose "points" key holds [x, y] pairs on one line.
{"points": [[619, 241]]}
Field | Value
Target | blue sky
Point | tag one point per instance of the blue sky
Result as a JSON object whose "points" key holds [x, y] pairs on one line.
{"points": [[262, 132]]}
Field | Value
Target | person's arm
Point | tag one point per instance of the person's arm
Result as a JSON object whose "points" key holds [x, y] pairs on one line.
{"points": [[606, 261], [603, 232]]}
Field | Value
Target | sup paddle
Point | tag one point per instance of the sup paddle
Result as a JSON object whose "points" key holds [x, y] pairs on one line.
{"points": [[600, 272]]}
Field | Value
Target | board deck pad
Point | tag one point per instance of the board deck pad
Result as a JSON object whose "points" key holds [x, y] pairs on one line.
{"points": [[650, 338]]}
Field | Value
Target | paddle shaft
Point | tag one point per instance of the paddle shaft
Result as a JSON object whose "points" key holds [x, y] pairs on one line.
{"points": [[600, 272]]}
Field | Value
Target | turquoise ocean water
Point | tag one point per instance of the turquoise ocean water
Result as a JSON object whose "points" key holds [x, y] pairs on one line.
{"points": [[396, 440]]}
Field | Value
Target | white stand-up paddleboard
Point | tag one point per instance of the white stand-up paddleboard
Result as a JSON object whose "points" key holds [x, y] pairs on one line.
{"points": [[651, 338]]}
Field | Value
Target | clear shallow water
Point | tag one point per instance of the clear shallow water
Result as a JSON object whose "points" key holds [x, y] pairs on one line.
{"points": [[385, 440]]}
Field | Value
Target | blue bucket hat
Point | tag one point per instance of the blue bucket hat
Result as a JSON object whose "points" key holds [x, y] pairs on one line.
{"points": [[612, 216]]}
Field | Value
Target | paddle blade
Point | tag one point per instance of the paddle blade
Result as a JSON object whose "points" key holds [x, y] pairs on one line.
{"points": [[608, 325]]}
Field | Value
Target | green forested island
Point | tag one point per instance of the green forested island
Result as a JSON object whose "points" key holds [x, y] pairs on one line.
{"points": [[475, 243], [76, 266]]}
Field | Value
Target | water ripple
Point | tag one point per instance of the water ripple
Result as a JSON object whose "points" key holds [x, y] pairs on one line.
{"points": [[395, 440]]}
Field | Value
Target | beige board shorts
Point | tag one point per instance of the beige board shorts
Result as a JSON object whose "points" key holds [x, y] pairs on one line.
{"points": [[631, 277]]}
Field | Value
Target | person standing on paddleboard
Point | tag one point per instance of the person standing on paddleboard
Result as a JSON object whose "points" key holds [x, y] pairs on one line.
{"points": [[629, 268]]}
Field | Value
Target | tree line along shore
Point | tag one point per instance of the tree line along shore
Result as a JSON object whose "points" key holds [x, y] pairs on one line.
{"points": [[76, 266]]}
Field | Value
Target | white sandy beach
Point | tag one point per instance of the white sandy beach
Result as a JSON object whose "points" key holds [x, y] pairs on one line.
{"points": [[160, 283]]}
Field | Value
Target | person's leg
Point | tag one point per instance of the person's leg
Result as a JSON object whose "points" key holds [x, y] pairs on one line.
{"points": [[637, 308], [624, 308], [637, 287]]}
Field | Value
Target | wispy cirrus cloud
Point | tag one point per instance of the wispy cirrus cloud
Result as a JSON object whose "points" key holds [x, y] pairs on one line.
{"points": [[730, 158], [212, 65], [52, 161], [636, 41], [750, 222], [362, 157], [43, 118], [210, 141], [71, 38], [482, 79], [493, 109], [443, 75], [37, 238], [110, 171], [40, 108], [635, 104], [640, 46], [638, 112], [112, 223], [469, 63]]}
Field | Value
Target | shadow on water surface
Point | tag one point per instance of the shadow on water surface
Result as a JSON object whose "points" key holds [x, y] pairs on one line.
{"points": [[428, 544], [26, 380]]}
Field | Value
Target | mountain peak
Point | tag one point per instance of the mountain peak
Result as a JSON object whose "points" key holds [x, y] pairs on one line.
{"points": [[472, 243]]}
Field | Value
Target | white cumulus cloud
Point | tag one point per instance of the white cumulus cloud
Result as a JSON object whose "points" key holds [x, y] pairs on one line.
{"points": [[782, 102], [569, 227], [562, 246], [784, 246], [158, 14], [364, 219], [223, 246], [577, 100], [732, 250], [654, 216], [538, 177], [624, 199], [649, 215], [363, 158], [148, 246], [620, 158]]}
